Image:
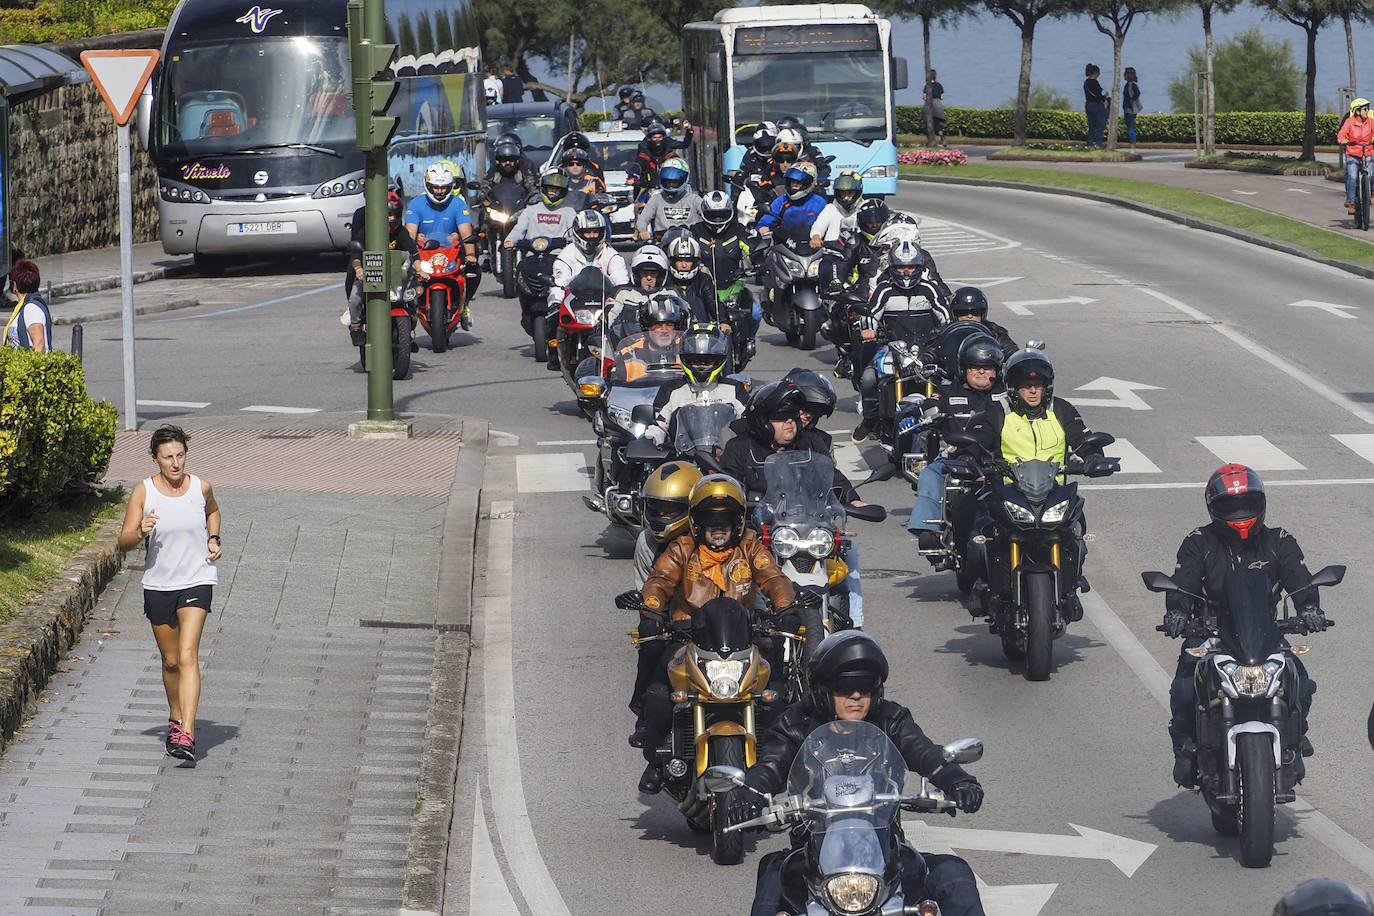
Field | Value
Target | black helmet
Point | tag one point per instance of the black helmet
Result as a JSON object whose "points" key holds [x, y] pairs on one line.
{"points": [[664, 307], [716, 500], [394, 209], [636, 96], [703, 352], [979, 351], [969, 300], [626, 92], [765, 135], [818, 395], [511, 136], [774, 401], [577, 140], [1022, 368], [507, 156], [1235, 499], [844, 662], [871, 216], [656, 136], [1325, 897], [790, 123]]}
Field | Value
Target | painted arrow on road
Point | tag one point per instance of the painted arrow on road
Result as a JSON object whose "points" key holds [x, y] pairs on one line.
{"points": [[1124, 391], [981, 282], [1022, 306], [1123, 852], [1333, 308], [1014, 899]]}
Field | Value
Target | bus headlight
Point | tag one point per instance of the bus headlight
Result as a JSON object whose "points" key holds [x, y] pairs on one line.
{"points": [[881, 171]]}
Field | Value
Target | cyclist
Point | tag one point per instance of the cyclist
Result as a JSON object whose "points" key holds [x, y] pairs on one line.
{"points": [[1356, 134]]}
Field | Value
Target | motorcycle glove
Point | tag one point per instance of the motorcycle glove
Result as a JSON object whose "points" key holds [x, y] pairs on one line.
{"points": [[681, 628], [632, 600], [967, 795], [1175, 622], [742, 809], [1313, 620]]}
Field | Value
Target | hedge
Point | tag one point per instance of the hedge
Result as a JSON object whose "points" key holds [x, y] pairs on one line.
{"points": [[1259, 128], [51, 433]]}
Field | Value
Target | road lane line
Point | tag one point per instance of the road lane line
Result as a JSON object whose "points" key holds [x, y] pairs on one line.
{"points": [[1255, 451], [563, 442], [268, 408], [503, 749], [1186, 485], [191, 405], [487, 890], [1311, 383], [256, 305], [1300, 813]]}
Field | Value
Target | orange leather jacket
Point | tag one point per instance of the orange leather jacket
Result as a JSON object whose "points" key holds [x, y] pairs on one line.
{"points": [[678, 577]]}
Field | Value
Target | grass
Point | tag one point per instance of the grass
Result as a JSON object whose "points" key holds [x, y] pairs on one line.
{"points": [[34, 550], [1071, 151], [1178, 200], [1267, 159]]}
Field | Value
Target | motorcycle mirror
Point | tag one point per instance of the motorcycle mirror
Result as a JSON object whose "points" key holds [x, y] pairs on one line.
{"points": [[1095, 441], [868, 513], [1327, 576], [959, 437], [886, 472], [1159, 582], [431, 244], [642, 413], [965, 750], [1035, 344], [720, 778], [355, 247], [474, 186]]}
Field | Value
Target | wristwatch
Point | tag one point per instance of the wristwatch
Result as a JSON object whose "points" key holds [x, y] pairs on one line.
{"points": [[215, 538]]}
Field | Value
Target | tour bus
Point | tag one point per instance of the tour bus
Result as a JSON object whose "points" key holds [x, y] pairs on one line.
{"points": [[828, 65], [251, 127]]}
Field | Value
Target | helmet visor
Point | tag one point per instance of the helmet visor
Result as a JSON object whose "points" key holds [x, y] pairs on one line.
{"points": [[661, 514], [850, 683]]}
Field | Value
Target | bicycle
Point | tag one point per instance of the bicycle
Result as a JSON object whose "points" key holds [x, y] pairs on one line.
{"points": [[1362, 185]]}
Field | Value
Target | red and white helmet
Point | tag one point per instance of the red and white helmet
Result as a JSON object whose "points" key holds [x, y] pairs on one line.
{"points": [[1235, 498]]}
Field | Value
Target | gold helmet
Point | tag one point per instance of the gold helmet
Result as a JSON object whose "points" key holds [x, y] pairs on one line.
{"points": [[664, 499], [717, 500]]}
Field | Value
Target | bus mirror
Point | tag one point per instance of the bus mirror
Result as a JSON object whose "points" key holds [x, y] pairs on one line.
{"points": [[899, 78], [715, 64]]}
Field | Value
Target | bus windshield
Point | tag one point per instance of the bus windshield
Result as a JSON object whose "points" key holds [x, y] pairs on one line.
{"points": [[836, 95], [254, 93]]}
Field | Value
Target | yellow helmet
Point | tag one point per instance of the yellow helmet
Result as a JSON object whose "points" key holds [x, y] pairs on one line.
{"points": [[1357, 104], [717, 500], [664, 499]]}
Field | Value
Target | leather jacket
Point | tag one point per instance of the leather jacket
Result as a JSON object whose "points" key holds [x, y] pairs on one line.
{"points": [[1206, 555], [678, 579]]}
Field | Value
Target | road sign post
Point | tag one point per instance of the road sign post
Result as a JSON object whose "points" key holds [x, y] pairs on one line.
{"points": [[120, 76]]}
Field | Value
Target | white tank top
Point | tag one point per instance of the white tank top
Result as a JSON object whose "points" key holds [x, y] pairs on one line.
{"points": [[178, 544]]}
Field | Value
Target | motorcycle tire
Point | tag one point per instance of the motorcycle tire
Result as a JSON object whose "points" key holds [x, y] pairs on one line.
{"points": [[540, 335], [1039, 616], [400, 347], [362, 357], [809, 325], [814, 622], [438, 318], [1013, 650], [507, 274], [1255, 814], [726, 848], [1224, 822]]}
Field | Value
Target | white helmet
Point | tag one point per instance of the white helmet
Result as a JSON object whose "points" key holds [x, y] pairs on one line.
{"points": [[438, 183], [590, 231], [649, 257], [684, 248], [895, 230]]}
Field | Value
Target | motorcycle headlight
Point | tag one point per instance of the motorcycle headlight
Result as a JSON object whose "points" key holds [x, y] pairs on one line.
{"points": [[1251, 680], [1055, 514], [424, 268], [819, 543], [540, 244], [499, 215], [620, 415], [411, 294], [1018, 513], [585, 316], [786, 542], [724, 677], [813, 269], [852, 893]]}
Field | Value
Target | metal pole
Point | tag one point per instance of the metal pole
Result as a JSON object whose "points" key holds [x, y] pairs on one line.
{"points": [[380, 405], [126, 275]]}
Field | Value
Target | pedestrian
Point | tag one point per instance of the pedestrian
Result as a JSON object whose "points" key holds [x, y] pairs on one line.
{"points": [[29, 326], [512, 86], [934, 95], [1094, 104], [176, 513], [492, 87], [1130, 103]]}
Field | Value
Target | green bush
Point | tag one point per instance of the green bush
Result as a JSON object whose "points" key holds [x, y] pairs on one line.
{"points": [[50, 431]]}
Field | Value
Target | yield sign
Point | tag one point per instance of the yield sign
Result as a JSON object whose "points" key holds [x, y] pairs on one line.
{"points": [[120, 76]]}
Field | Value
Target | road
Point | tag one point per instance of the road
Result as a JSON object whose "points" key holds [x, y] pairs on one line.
{"points": [[1228, 359]]}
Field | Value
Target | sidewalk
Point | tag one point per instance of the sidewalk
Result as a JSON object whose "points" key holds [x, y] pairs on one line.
{"points": [[327, 643]]}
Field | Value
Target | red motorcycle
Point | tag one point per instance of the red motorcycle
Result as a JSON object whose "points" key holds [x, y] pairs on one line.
{"points": [[580, 331], [442, 302]]}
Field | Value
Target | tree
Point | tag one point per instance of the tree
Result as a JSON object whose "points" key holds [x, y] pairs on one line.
{"points": [[1251, 73], [929, 12], [1026, 15], [1209, 96], [1114, 19], [1307, 15]]}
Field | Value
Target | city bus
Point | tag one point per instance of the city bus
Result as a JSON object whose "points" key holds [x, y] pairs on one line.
{"points": [[250, 124], [829, 65]]}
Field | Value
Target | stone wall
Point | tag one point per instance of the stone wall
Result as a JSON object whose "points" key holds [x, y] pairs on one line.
{"points": [[64, 166]]}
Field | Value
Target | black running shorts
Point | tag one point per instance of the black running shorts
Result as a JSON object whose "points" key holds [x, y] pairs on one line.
{"points": [[160, 607]]}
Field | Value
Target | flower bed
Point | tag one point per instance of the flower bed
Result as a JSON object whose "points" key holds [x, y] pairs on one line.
{"points": [[932, 157]]}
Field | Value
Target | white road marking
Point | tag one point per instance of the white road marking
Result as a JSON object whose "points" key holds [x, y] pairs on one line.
{"points": [[503, 439], [264, 408], [1124, 391], [1022, 306], [1298, 190], [1361, 444], [1256, 451], [1133, 461], [1278, 362], [1246, 193], [559, 472], [1331, 308], [562, 442], [849, 461], [981, 282], [190, 405], [256, 305], [487, 890], [1014, 899], [1189, 485], [942, 237], [1123, 852]]}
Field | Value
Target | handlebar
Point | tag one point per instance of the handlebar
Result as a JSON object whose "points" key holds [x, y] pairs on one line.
{"points": [[789, 808]]}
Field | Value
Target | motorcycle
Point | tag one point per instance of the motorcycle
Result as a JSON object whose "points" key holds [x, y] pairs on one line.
{"points": [[794, 304], [903, 386], [1033, 521], [501, 204], [443, 291], [580, 317], [1249, 708], [533, 274], [843, 802], [402, 299]]}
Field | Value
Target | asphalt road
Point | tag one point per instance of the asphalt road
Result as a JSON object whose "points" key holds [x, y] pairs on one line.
{"points": [[1208, 329]]}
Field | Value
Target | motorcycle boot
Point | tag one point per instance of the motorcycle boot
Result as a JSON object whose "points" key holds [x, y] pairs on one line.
{"points": [[652, 780]]}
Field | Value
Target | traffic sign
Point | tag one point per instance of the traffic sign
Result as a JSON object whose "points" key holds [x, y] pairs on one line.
{"points": [[120, 76]]}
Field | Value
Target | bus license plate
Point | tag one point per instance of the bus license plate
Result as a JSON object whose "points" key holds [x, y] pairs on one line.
{"points": [[279, 227]]}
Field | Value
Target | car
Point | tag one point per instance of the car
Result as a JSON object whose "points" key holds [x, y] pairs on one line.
{"points": [[615, 150], [539, 125]]}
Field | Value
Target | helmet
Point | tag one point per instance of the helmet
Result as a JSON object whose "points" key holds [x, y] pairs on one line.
{"points": [[394, 210], [684, 248], [664, 498], [1357, 104], [790, 123], [774, 401], [717, 500], [765, 135], [788, 146], [626, 92], [848, 187], [590, 229], [576, 156], [703, 352], [506, 154], [818, 395], [898, 228], [1235, 499], [577, 140], [553, 186], [1023, 368], [513, 137], [656, 136], [717, 209], [636, 96], [968, 300], [650, 257], [906, 255], [979, 351], [844, 662], [871, 216], [438, 183], [672, 177], [1325, 897], [804, 173], [665, 307]]}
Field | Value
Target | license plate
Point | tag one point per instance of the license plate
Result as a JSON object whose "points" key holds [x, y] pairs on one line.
{"points": [[280, 227]]}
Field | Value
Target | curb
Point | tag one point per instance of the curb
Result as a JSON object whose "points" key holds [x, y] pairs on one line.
{"points": [[34, 642], [109, 314], [427, 851], [97, 284], [1191, 222]]}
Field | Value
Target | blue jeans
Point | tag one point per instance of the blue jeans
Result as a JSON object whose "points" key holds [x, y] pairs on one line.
{"points": [[1097, 121], [930, 489], [1130, 127], [1352, 167], [852, 586]]}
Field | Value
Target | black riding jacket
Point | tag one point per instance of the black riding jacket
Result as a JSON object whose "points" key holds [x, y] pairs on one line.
{"points": [[723, 252], [743, 458], [957, 405], [699, 293], [1206, 555]]}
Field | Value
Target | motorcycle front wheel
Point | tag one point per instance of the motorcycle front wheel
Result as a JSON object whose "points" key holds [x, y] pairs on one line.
{"points": [[1039, 616], [400, 347], [726, 848], [808, 324], [1255, 814], [540, 333], [438, 318], [507, 274]]}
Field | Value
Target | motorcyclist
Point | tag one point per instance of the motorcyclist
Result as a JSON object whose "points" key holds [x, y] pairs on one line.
{"points": [[703, 351], [578, 140], [725, 253], [968, 309], [582, 182], [443, 216], [807, 150], [510, 165], [841, 214], [397, 238], [673, 203], [623, 104], [1235, 538], [526, 163], [848, 672], [908, 304], [689, 279], [549, 217], [791, 215], [771, 183], [858, 272], [590, 233], [721, 557], [1325, 897], [817, 401], [654, 150], [662, 318], [648, 274], [757, 162], [637, 113]]}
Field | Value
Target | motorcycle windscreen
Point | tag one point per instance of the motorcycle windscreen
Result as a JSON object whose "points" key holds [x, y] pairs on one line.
{"points": [[721, 625], [1247, 626], [507, 196], [591, 286], [853, 842], [699, 426], [842, 766], [637, 355], [799, 490], [1035, 479]]}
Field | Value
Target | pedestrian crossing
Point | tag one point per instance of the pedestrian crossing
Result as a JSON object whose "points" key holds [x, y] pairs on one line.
{"points": [[940, 237]]}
